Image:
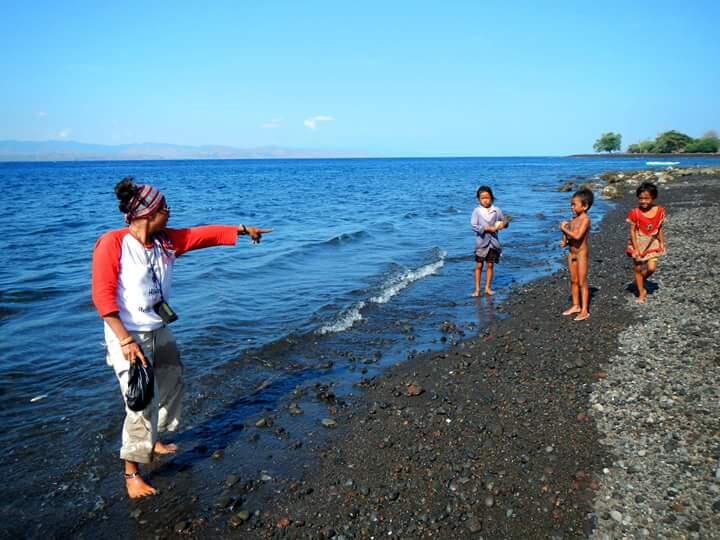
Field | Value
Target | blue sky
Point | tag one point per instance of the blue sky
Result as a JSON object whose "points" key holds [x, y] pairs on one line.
{"points": [[387, 78]]}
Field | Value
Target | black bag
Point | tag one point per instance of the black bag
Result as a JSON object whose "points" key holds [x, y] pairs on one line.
{"points": [[141, 386]]}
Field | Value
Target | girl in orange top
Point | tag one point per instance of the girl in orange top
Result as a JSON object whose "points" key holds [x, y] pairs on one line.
{"points": [[647, 241]]}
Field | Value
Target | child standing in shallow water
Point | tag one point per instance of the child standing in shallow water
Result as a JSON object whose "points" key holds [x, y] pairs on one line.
{"points": [[486, 220], [647, 241], [575, 235]]}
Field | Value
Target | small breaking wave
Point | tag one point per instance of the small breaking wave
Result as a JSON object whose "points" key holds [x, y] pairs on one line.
{"points": [[388, 290], [344, 321], [401, 281], [336, 241], [345, 237]]}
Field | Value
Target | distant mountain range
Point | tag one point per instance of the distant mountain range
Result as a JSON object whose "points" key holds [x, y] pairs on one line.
{"points": [[77, 151]]}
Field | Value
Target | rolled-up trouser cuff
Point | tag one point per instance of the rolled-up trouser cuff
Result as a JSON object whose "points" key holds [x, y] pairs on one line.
{"points": [[163, 413]]}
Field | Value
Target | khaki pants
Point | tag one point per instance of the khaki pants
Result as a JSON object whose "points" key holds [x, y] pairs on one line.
{"points": [[163, 414]]}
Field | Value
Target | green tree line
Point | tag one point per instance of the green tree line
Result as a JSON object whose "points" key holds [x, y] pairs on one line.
{"points": [[673, 141], [669, 142]]}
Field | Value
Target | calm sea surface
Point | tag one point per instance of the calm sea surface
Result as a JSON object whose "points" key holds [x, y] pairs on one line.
{"points": [[367, 259]]}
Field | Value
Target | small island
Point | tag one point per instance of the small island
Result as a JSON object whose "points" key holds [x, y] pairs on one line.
{"points": [[671, 142]]}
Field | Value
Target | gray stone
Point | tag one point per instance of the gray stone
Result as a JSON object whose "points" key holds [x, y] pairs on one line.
{"points": [[611, 192], [231, 480], [474, 525]]}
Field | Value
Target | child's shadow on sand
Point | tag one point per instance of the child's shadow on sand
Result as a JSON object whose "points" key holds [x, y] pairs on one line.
{"points": [[592, 293], [650, 286]]}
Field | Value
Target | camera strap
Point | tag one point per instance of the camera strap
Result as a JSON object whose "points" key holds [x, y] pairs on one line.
{"points": [[151, 267]]}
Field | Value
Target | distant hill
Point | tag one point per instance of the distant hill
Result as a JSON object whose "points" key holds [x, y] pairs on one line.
{"points": [[78, 151]]}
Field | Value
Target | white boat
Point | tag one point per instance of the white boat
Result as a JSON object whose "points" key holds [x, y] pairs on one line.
{"points": [[662, 163]]}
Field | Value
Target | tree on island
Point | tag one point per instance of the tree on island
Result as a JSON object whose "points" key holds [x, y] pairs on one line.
{"points": [[643, 147], [705, 146], [608, 142], [673, 142], [709, 143]]}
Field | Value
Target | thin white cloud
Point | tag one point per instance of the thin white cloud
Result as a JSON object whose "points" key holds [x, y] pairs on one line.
{"points": [[312, 123], [272, 124], [65, 133], [41, 114]]}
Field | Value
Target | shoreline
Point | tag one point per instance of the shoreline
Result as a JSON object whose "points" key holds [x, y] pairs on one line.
{"points": [[494, 437], [487, 471], [499, 443], [86, 159], [700, 155]]}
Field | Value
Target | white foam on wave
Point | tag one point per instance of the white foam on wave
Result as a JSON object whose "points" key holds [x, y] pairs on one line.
{"points": [[398, 283], [345, 320], [393, 286]]}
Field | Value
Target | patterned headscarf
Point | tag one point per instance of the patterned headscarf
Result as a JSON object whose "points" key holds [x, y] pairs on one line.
{"points": [[145, 203]]}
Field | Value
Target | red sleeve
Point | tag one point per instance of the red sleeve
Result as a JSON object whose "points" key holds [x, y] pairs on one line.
{"points": [[185, 240], [632, 216], [105, 271]]}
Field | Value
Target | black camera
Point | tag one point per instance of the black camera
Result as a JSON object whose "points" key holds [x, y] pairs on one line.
{"points": [[165, 312]]}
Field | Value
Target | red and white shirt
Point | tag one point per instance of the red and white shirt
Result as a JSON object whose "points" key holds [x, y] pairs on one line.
{"points": [[127, 276]]}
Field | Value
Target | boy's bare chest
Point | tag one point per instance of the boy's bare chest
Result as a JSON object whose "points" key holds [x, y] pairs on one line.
{"points": [[576, 223]]}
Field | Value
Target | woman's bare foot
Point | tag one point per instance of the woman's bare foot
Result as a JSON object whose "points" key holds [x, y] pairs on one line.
{"points": [[161, 449], [137, 487], [581, 317], [475, 294], [489, 292], [641, 299], [572, 310]]}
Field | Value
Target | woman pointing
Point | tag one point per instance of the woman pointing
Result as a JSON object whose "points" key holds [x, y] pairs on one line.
{"points": [[131, 280]]}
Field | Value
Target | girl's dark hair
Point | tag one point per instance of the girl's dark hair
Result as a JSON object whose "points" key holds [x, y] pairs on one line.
{"points": [[485, 189], [647, 187], [586, 196], [125, 190]]}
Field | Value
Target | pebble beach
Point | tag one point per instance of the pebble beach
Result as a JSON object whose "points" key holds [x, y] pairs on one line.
{"points": [[541, 427], [535, 426], [658, 410]]}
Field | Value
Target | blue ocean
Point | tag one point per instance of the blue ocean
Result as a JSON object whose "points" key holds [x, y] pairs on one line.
{"points": [[369, 260]]}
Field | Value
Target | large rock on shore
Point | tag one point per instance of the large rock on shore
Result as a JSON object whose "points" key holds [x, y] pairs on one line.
{"points": [[614, 184], [658, 176], [611, 191]]}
